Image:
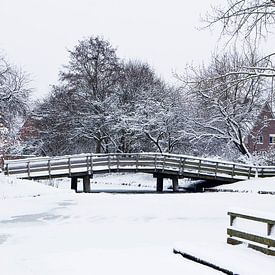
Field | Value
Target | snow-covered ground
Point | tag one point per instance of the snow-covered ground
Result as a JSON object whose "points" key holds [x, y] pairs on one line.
{"points": [[49, 230]]}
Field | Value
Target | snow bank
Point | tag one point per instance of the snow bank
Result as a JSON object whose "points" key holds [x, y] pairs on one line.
{"points": [[11, 187], [253, 185]]}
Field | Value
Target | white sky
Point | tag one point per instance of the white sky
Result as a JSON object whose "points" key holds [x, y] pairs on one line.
{"points": [[35, 34]]}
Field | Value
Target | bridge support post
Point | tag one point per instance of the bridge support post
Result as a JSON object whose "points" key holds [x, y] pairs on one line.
{"points": [[86, 184], [74, 183], [159, 183], [175, 182], [161, 176]]}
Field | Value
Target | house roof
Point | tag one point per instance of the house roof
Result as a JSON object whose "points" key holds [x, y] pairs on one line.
{"points": [[266, 107]]}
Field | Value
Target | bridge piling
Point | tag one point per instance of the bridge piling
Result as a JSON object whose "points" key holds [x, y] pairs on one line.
{"points": [[86, 184], [160, 176], [74, 183], [159, 183], [175, 182]]}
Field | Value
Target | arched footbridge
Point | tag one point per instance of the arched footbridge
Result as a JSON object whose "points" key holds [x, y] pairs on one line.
{"points": [[161, 166]]}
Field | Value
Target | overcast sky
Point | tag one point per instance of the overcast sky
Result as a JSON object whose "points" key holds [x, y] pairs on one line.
{"points": [[35, 34]]}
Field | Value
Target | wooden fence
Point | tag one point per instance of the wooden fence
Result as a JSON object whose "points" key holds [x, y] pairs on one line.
{"points": [[261, 241]]}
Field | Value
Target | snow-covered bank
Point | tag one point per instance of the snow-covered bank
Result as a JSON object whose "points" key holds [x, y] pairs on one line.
{"points": [[11, 187], [68, 233], [255, 185]]}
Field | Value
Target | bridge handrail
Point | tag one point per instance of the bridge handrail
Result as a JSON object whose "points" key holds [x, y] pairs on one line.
{"points": [[134, 154], [79, 156], [136, 160]]}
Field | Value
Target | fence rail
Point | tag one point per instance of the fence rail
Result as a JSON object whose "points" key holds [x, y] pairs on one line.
{"points": [[180, 165], [263, 240]]}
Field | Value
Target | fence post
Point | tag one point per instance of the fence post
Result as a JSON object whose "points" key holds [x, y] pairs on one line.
{"points": [[233, 170], [29, 170], [49, 167], [91, 163], [87, 164], [232, 218], [7, 168], [183, 165], [216, 170], [163, 164], [137, 158], [109, 164], [199, 167], [249, 172], [256, 173], [269, 228], [69, 163], [117, 160], [180, 166]]}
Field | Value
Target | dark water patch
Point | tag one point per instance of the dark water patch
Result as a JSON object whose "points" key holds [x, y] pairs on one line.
{"points": [[40, 217], [67, 203]]}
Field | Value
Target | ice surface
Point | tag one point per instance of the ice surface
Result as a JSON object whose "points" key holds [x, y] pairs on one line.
{"points": [[48, 231]]}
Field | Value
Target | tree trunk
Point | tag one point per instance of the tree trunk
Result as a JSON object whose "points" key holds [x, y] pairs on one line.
{"points": [[98, 146], [242, 148]]}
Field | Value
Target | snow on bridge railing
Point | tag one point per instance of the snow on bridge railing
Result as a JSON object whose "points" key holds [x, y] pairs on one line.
{"points": [[151, 162]]}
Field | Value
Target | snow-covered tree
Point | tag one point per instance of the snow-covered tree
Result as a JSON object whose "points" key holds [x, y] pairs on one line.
{"points": [[92, 75], [14, 99], [247, 21], [105, 105], [226, 104], [244, 17], [152, 110]]}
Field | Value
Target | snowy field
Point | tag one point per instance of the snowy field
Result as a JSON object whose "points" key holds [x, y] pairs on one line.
{"points": [[49, 230]]}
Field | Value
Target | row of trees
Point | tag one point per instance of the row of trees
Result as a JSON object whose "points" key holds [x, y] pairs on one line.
{"points": [[105, 104]]}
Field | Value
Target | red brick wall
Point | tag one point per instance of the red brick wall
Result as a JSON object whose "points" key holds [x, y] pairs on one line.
{"points": [[264, 126]]}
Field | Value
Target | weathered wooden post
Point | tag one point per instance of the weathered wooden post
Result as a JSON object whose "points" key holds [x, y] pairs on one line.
{"points": [[74, 183], [86, 184]]}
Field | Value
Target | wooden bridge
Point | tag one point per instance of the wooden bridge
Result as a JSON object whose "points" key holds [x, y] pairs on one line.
{"points": [[161, 166]]}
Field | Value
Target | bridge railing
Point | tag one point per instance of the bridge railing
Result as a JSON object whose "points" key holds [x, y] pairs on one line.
{"points": [[151, 162]]}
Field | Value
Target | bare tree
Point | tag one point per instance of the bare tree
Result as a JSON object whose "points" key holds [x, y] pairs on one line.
{"points": [[252, 19], [247, 17]]}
